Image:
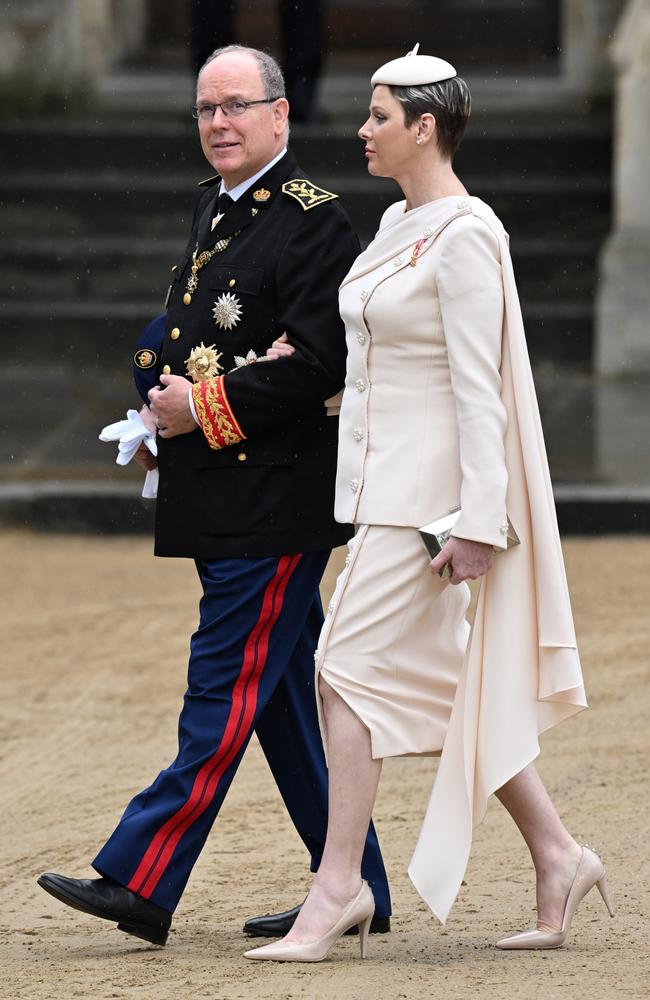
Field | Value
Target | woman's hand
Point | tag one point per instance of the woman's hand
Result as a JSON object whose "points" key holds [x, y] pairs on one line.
{"points": [[280, 348], [467, 560]]}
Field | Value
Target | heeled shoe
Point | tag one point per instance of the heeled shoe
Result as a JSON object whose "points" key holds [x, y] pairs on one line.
{"points": [[359, 911], [590, 872]]}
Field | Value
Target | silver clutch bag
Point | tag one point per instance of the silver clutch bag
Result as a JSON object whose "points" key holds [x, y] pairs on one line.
{"points": [[436, 534]]}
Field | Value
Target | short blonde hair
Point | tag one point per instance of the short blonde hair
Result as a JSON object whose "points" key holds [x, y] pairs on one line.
{"points": [[450, 104]]}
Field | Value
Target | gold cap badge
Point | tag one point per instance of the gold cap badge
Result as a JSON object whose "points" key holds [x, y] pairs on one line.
{"points": [[145, 359], [261, 194], [203, 363]]}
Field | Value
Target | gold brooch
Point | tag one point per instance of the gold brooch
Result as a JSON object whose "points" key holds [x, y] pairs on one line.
{"points": [[145, 359], [227, 311], [203, 363], [261, 194]]}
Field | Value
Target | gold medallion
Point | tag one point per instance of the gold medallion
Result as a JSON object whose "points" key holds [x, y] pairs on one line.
{"points": [[203, 363], [227, 311], [261, 194], [187, 298]]}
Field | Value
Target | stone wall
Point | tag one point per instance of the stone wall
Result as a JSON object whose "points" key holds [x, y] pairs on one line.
{"points": [[49, 46], [623, 312]]}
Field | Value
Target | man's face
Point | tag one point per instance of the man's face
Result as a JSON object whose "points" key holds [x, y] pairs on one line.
{"points": [[238, 146]]}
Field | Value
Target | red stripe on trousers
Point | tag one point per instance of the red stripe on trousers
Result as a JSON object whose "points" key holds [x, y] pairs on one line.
{"points": [[242, 711]]}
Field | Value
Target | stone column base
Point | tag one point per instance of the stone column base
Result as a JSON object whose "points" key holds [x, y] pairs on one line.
{"points": [[622, 345]]}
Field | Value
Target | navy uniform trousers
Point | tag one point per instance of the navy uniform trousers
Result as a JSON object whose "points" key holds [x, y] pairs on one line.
{"points": [[251, 668]]}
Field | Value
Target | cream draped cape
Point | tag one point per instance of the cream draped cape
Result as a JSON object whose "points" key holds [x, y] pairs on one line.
{"points": [[521, 674]]}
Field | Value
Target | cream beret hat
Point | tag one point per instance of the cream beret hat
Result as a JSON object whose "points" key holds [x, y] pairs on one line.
{"points": [[413, 70]]}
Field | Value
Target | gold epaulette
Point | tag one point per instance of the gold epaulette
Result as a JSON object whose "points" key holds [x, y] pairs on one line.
{"points": [[306, 193], [209, 180]]}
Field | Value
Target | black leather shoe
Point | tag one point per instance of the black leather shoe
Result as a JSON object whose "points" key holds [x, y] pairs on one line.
{"points": [[279, 924], [102, 897]]}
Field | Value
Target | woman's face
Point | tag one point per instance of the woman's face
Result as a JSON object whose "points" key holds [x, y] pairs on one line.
{"points": [[390, 145]]}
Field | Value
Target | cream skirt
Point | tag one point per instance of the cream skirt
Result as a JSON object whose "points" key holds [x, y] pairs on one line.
{"points": [[393, 642]]}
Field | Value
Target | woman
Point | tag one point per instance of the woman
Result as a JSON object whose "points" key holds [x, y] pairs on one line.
{"points": [[439, 413]]}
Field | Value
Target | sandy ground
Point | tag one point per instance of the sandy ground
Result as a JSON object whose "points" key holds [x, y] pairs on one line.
{"points": [[94, 644]]}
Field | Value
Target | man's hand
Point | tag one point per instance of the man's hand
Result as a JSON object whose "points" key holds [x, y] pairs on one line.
{"points": [[280, 348], [467, 560], [148, 419], [171, 408], [145, 459]]}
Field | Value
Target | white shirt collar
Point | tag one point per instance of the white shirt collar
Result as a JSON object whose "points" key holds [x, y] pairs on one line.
{"points": [[241, 189]]}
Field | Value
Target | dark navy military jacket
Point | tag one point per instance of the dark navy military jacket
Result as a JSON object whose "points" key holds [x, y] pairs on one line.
{"points": [[272, 492]]}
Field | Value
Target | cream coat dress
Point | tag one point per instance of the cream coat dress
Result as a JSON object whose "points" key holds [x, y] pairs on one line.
{"points": [[439, 412]]}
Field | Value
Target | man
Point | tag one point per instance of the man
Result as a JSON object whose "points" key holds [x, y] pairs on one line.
{"points": [[247, 460]]}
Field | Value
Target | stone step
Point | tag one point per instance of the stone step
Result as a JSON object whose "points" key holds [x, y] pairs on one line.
{"points": [[98, 337], [82, 506], [503, 144], [104, 269], [76, 205]]}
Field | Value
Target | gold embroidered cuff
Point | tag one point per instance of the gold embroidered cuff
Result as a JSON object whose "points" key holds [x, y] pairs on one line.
{"points": [[216, 419]]}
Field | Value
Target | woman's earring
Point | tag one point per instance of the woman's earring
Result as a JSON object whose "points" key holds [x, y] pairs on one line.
{"points": [[419, 141]]}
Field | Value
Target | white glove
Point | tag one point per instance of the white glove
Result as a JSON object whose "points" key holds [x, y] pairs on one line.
{"points": [[130, 434]]}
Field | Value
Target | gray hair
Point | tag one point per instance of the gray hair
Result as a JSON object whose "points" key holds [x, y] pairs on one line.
{"points": [[270, 72], [448, 101]]}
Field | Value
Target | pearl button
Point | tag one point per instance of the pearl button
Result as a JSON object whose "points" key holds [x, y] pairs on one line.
{"points": [[360, 385], [354, 485], [361, 338], [357, 433], [364, 295], [330, 608], [175, 334], [166, 370], [504, 528]]}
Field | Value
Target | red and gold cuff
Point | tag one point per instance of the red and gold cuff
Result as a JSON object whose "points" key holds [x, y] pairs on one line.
{"points": [[215, 416]]}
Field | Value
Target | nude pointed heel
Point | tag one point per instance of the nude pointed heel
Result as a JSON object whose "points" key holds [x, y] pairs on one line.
{"points": [[359, 911], [590, 872], [603, 889], [364, 931]]}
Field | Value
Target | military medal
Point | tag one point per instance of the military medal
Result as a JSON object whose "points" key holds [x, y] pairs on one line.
{"points": [[227, 311], [417, 249], [203, 363], [200, 261], [240, 362]]}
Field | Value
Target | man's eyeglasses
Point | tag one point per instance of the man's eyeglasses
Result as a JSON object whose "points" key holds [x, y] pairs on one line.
{"points": [[234, 107]]}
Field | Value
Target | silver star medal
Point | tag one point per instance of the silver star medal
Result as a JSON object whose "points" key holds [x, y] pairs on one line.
{"points": [[227, 311], [240, 362]]}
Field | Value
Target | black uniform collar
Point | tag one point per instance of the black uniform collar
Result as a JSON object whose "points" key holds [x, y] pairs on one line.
{"points": [[242, 213]]}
